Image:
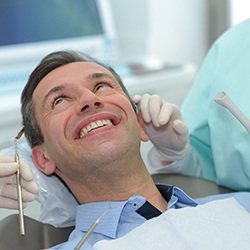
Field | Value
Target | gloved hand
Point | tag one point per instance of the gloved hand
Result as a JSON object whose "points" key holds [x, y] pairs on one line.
{"points": [[8, 190], [165, 127]]}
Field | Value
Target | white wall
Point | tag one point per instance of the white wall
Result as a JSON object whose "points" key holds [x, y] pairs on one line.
{"points": [[172, 30], [240, 11], [178, 30]]}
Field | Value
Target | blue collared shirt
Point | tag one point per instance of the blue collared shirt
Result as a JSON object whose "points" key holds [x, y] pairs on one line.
{"points": [[121, 216]]}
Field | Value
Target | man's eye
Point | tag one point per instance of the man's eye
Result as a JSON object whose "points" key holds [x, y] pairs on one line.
{"points": [[58, 100], [102, 85]]}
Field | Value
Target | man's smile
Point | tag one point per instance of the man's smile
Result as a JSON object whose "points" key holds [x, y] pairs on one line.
{"points": [[95, 125], [95, 122]]}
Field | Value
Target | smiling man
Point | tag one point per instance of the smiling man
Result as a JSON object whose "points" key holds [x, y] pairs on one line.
{"points": [[83, 127]]}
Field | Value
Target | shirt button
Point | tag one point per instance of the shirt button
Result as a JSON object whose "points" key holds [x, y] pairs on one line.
{"points": [[135, 205]]}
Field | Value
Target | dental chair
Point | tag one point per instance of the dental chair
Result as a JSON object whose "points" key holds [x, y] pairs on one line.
{"points": [[37, 234], [42, 236]]}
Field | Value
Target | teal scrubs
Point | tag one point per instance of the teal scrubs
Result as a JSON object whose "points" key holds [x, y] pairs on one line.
{"points": [[220, 142]]}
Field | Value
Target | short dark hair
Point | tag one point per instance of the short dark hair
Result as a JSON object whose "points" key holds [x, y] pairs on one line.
{"points": [[50, 62]]}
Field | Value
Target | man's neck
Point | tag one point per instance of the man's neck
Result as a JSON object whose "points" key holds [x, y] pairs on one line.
{"points": [[120, 187]]}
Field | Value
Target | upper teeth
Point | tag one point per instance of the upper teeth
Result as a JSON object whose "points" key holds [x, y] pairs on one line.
{"points": [[94, 125]]}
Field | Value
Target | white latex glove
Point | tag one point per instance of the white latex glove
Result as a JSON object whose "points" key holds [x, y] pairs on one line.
{"points": [[8, 189], [165, 126]]}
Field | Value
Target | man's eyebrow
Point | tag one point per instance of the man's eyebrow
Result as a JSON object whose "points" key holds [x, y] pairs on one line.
{"points": [[100, 75], [52, 91]]}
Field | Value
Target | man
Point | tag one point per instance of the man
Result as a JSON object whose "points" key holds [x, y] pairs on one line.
{"points": [[83, 127]]}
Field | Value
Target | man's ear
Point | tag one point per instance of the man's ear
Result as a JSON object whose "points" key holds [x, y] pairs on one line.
{"points": [[144, 136], [42, 162]]}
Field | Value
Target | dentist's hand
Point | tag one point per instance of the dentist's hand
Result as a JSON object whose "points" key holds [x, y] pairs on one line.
{"points": [[8, 188], [165, 126]]}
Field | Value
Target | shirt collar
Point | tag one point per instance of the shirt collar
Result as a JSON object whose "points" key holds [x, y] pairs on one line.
{"points": [[87, 214], [180, 199]]}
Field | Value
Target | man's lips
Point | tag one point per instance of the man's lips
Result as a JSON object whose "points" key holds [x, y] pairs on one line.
{"points": [[95, 121], [94, 125]]}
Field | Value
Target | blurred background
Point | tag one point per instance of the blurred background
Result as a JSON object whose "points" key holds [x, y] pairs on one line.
{"points": [[157, 46]]}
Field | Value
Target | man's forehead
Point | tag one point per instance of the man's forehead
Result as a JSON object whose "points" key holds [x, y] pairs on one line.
{"points": [[84, 70], [81, 67]]}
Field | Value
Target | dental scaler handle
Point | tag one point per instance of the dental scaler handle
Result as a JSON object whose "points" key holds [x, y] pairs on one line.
{"points": [[20, 200], [18, 182], [224, 100]]}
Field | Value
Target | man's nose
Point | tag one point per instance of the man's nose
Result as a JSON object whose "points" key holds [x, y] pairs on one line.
{"points": [[89, 101]]}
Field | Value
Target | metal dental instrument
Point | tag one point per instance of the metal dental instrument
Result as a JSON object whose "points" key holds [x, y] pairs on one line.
{"points": [[18, 182], [90, 231], [224, 100]]}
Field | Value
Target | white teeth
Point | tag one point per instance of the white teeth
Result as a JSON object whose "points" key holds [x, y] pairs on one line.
{"points": [[93, 125]]}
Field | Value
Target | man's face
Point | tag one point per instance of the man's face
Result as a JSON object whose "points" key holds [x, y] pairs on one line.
{"points": [[86, 119]]}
